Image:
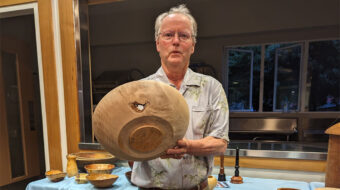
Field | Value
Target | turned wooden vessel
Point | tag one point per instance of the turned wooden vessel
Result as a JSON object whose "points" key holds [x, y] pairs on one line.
{"points": [[72, 169], [237, 179], [140, 120], [333, 157]]}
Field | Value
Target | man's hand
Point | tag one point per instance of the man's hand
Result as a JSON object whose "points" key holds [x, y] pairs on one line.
{"points": [[178, 151], [206, 146]]}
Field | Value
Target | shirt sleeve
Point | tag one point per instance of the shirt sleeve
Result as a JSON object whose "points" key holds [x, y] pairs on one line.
{"points": [[219, 121]]}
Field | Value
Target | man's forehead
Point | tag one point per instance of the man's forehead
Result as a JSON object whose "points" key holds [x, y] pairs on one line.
{"points": [[174, 19]]}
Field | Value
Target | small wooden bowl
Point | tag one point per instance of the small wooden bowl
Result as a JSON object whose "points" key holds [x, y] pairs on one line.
{"points": [[86, 158], [81, 178], [99, 168], [102, 180], [55, 175]]}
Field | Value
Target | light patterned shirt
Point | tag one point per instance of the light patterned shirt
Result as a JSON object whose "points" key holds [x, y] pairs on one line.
{"points": [[209, 116]]}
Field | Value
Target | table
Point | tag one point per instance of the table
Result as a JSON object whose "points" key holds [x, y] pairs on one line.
{"points": [[314, 185], [69, 183], [123, 183]]}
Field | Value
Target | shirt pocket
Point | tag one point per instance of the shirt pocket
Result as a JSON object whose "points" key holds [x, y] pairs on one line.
{"points": [[200, 119]]}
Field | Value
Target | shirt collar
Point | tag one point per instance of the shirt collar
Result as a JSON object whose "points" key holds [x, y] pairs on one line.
{"points": [[190, 78]]}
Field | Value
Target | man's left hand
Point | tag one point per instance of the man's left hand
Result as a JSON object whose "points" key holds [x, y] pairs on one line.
{"points": [[178, 151]]}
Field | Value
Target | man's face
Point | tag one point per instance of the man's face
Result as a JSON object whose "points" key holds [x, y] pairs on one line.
{"points": [[175, 43]]}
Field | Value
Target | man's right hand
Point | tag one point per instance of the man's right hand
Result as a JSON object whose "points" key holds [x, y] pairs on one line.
{"points": [[175, 155]]}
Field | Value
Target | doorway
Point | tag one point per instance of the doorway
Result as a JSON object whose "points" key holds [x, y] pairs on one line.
{"points": [[21, 131]]}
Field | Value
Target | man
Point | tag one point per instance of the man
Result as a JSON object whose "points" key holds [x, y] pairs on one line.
{"points": [[188, 165]]}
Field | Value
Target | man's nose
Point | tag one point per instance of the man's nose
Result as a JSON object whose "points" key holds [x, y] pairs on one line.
{"points": [[176, 39]]}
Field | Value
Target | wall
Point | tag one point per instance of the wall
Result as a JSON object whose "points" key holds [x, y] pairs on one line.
{"points": [[121, 33]]}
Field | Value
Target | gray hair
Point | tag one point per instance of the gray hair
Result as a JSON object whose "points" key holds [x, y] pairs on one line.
{"points": [[180, 9]]}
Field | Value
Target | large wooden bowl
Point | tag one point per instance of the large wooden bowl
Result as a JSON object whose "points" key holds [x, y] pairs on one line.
{"points": [[87, 158], [140, 120]]}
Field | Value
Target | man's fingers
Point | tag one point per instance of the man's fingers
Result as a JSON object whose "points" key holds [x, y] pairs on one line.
{"points": [[176, 151], [174, 156], [182, 143]]}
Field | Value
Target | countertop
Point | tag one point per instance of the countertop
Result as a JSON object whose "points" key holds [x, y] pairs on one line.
{"points": [[279, 149], [263, 149]]}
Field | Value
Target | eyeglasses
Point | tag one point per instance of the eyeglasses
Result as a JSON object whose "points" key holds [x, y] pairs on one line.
{"points": [[169, 36]]}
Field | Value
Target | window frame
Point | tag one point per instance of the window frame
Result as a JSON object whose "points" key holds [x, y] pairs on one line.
{"points": [[276, 73], [302, 104], [251, 76]]}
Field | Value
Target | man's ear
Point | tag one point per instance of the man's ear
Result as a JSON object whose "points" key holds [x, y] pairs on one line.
{"points": [[157, 45], [193, 48]]}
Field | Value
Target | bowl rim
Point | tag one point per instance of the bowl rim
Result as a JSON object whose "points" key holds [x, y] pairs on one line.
{"points": [[53, 174], [88, 167], [110, 176], [80, 158]]}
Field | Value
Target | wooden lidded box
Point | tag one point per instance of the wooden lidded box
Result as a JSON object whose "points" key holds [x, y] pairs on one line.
{"points": [[333, 157]]}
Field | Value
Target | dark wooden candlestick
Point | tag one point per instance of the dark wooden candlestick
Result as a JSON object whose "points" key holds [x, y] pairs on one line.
{"points": [[237, 179], [221, 175]]}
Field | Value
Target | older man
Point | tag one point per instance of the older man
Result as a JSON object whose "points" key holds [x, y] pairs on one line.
{"points": [[188, 165]]}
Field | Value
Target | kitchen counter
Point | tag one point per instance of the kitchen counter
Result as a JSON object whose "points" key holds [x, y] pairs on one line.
{"points": [[263, 149], [277, 149]]}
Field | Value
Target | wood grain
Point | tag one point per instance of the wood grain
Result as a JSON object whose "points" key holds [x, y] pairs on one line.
{"points": [[50, 83], [14, 2], [24, 53], [133, 116], [276, 164], [5, 166], [26, 94], [30, 137], [334, 130], [69, 60], [333, 162], [145, 139]]}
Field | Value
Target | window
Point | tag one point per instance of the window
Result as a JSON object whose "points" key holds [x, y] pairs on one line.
{"points": [[286, 76], [323, 79], [282, 77], [243, 78]]}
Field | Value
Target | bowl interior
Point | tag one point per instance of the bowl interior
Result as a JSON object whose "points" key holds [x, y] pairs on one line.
{"points": [[86, 158], [93, 155], [99, 166], [101, 177], [55, 175], [53, 172]]}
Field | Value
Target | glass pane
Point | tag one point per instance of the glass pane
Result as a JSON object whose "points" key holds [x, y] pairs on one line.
{"points": [[286, 83], [9, 73], [239, 79], [244, 64], [323, 79], [269, 75]]}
